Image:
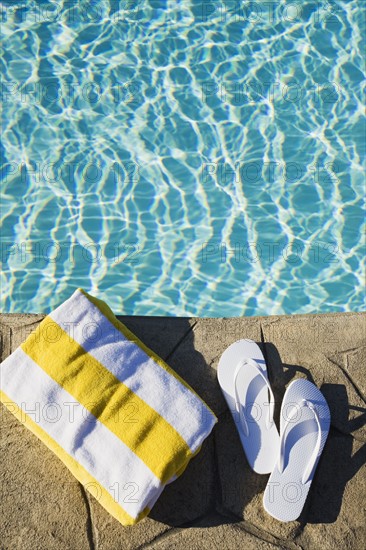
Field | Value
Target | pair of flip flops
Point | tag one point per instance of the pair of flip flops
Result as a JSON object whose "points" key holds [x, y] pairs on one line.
{"points": [[290, 456]]}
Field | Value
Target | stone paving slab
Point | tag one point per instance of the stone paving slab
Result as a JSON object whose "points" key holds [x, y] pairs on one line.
{"points": [[42, 505], [217, 502], [212, 532]]}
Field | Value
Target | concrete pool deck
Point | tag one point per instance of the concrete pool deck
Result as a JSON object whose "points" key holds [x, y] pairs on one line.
{"points": [[217, 502]]}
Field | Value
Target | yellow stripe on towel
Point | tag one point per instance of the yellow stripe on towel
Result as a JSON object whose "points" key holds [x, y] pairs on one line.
{"points": [[153, 439], [108, 313]]}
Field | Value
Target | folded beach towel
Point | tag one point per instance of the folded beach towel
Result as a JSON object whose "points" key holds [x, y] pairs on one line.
{"points": [[122, 421]]}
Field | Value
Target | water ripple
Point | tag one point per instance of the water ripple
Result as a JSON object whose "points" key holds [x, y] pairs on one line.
{"points": [[184, 158]]}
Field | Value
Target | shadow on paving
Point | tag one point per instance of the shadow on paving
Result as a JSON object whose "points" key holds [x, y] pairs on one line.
{"points": [[336, 466], [220, 474]]}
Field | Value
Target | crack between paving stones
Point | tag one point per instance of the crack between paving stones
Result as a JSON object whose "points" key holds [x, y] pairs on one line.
{"points": [[160, 538], [351, 350], [255, 531], [347, 375], [89, 521], [263, 343], [197, 522], [180, 341], [262, 336], [259, 534], [349, 378], [227, 519], [11, 340], [214, 359], [218, 486], [347, 434]]}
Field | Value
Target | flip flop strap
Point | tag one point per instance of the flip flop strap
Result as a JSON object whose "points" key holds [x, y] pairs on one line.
{"points": [[239, 408], [312, 462]]}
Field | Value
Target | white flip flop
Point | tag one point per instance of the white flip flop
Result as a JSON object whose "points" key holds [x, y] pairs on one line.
{"points": [[243, 378], [305, 420]]}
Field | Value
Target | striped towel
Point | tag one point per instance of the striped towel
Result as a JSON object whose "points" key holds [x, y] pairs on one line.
{"points": [[122, 421]]}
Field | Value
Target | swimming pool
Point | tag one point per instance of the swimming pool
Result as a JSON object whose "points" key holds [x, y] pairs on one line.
{"points": [[196, 158]]}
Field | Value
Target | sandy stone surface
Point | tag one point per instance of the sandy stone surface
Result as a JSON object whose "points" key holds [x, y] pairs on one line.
{"points": [[217, 502]]}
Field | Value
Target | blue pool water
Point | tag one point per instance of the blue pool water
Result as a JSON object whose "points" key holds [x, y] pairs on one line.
{"points": [[184, 157]]}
